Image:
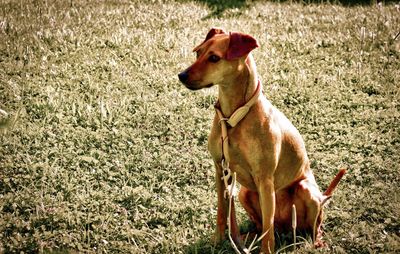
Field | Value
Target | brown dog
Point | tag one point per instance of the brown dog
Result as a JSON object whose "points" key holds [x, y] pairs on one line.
{"points": [[265, 150]]}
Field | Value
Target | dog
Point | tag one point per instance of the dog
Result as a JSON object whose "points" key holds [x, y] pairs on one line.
{"points": [[266, 152]]}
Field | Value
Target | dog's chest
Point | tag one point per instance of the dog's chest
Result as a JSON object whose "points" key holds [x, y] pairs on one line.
{"points": [[237, 153]]}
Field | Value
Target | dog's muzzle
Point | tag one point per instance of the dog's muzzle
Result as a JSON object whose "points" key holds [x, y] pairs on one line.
{"points": [[192, 85]]}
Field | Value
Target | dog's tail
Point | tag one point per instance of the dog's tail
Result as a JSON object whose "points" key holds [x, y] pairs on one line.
{"points": [[329, 191]]}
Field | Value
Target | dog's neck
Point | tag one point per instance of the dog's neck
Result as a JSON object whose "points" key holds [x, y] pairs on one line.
{"points": [[235, 94]]}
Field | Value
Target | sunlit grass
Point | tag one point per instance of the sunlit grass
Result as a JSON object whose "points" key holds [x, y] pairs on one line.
{"points": [[102, 150]]}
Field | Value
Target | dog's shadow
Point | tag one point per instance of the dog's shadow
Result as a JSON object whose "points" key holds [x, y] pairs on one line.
{"points": [[218, 7], [283, 242]]}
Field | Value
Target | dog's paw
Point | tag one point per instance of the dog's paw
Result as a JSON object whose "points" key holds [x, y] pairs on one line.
{"points": [[217, 238], [320, 244]]}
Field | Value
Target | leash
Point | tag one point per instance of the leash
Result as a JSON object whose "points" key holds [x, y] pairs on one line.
{"points": [[230, 189], [232, 121]]}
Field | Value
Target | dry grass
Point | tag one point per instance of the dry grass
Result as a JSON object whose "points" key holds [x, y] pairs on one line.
{"points": [[102, 150]]}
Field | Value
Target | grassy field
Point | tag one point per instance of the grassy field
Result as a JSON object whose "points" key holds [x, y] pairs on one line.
{"points": [[103, 151]]}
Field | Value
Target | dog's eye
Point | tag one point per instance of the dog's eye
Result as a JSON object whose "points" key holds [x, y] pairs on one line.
{"points": [[197, 54], [214, 58]]}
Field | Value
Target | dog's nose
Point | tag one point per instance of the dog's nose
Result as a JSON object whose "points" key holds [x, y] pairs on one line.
{"points": [[183, 76]]}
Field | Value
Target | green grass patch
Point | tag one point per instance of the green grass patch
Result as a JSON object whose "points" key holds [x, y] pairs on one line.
{"points": [[103, 151]]}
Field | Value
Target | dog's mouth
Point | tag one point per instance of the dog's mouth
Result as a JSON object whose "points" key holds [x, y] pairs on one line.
{"points": [[194, 88]]}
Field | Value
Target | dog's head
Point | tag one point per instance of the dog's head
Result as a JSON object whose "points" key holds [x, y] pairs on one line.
{"points": [[219, 58]]}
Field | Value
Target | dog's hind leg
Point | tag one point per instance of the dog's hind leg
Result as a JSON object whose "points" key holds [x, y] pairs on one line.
{"points": [[250, 202]]}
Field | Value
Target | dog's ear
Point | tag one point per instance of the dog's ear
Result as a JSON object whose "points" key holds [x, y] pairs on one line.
{"points": [[210, 34], [240, 45], [213, 32]]}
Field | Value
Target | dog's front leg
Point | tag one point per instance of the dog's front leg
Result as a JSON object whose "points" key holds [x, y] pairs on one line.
{"points": [[267, 203], [222, 212]]}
